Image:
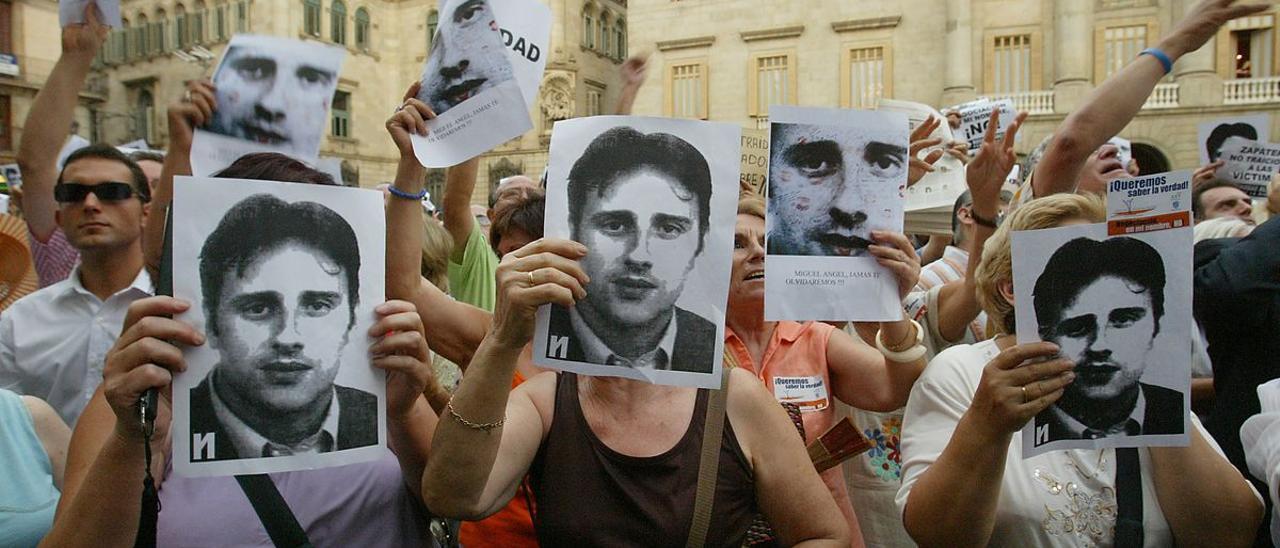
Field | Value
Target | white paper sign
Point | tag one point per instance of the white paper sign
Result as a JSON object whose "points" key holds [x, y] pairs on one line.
{"points": [[937, 191], [71, 12], [1250, 164], [273, 96], [654, 200], [834, 176], [283, 279], [1116, 298], [1213, 135], [482, 75], [975, 116], [12, 174], [1124, 150]]}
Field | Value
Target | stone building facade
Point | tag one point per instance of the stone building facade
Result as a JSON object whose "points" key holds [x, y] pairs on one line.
{"points": [[168, 42], [727, 60]]}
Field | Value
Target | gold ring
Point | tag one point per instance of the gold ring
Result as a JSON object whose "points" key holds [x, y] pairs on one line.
{"points": [[531, 282], [1024, 394], [186, 97]]}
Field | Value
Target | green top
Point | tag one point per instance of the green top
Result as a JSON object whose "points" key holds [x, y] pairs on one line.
{"points": [[472, 272]]}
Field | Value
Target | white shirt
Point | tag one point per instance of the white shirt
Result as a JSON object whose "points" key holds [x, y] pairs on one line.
{"points": [[250, 444], [1059, 498], [53, 342], [1260, 436], [596, 351]]}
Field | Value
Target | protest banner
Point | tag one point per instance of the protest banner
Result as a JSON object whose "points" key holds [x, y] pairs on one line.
{"points": [[976, 115], [1211, 136], [1250, 164], [755, 160], [929, 201]]}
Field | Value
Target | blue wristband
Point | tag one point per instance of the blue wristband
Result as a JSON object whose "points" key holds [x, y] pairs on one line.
{"points": [[1161, 56], [402, 194]]}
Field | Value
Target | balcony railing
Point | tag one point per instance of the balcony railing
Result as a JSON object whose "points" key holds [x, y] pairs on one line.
{"points": [[1034, 102], [1164, 96], [1251, 91]]}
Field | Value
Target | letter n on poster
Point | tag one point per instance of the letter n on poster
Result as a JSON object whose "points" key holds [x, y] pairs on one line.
{"points": [[834, 177]]}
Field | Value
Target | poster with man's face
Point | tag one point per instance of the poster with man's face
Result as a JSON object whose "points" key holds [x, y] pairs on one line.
{"points": [[481, 76], [654, 202], [283, 279], [1116, 298], [1212, 136], [273, 95], [835, 176]]}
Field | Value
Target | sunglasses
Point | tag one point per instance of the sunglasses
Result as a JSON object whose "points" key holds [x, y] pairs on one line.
{"points": [[69, 193]]}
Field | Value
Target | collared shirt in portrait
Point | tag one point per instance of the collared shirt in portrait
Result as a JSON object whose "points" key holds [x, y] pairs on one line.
{"points": [[53, 342], [249, 443], [596, 351], [1132, 426]]}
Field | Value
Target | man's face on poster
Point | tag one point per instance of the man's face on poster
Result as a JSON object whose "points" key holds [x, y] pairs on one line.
{"points": [[830, 186], [1107, 331], [272, 99], [467, 57], [642, 236], [281, 329]]}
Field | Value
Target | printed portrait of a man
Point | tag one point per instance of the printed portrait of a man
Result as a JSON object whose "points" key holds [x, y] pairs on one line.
{"points": [[1220, 134], [1102, 303], [467, 56], [274, 97], [641, 205], [280, 285], [830, 186]]}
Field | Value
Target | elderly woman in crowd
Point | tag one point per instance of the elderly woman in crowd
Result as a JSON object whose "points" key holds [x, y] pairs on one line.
{"points": [[964, 481], [366, 504]]}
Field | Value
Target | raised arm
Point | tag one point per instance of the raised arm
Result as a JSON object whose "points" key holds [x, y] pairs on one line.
{"points": [[401, 350], [633, 72], [958, 300], [1226, 515], [49, 121], [489, 435], [1109, 108], [459, 185], [192, 111]]}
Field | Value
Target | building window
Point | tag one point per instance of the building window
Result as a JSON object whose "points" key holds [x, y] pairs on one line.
{"points": [[126, 38], [1251, 48], [197, 23], [686, 90], [433, 21], [338, 22], [6, 130], [1119, 45], [773, 82], [1011, 64], [588, 31], [180, 27], [620, 38], [311, 17], [141, 36], [362, 29], [867, 76], [144, 115], [603, 30], [341, 114], [595, 100], [6, 32], [220, 23], [242, 16], [159, 33]]}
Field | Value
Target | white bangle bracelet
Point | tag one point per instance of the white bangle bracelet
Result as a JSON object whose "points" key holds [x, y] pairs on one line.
{"points": [[906, 356]]}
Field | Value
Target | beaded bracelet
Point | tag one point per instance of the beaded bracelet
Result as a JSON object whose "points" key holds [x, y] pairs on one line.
{"points": [[402, 194]]}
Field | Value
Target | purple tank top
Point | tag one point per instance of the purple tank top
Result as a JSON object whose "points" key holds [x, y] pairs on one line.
{"points": [[365, 505]]}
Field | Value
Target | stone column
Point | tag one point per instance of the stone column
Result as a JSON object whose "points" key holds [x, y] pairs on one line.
{"points": [[1198, 83], [958, 85], [1072, 62]]}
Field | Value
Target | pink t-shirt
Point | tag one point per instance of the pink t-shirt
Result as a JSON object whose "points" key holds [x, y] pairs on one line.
{"points": [[54, 259]]}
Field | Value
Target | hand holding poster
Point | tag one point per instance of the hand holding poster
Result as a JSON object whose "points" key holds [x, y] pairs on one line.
{"points": [[1250, 164], [1116, 299], [929, 201], [273, 95], [975, 115], [654, 202], [485, 65], [257, 398], [834, 177]]}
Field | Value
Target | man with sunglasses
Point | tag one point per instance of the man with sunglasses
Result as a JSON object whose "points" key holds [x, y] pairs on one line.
{"points": [[53, 342]]}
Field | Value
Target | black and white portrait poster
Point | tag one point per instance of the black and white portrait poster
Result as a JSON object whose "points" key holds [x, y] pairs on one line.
{"points": [[283, 279], [1212, 136], [1116, 298], [929, 201], [834, 177], [654, 200], [273, 96], [481, 76], [1250, 164]]}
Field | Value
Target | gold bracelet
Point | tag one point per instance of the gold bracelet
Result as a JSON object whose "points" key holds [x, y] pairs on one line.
{"points": [[485, 427]]}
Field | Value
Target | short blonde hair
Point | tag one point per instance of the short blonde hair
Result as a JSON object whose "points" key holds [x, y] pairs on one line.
{"points": [[997, 255], [437, 245], [750, 204]]}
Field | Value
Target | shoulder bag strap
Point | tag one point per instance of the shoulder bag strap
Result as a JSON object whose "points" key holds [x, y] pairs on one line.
{"points": [[1128, 497], [277, 518], [709, 462]]}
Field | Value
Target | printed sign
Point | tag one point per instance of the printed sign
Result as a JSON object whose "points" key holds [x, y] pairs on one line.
{"points": [[1250, 164]]}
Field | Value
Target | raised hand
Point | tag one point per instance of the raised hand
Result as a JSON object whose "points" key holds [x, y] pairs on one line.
{"points": [[545, 271], [193, 110], [410, 118], [85, 38], [1202, 22], [634, 69], [401, 351], [893, 251], [986, 174], [1206, 173], [919, 141], [145, 357], [1013, 388]]}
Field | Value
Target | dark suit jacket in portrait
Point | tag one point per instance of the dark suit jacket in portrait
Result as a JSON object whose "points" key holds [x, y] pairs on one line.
{"points": [[694, 349], [357, 422], [1162, 416]]}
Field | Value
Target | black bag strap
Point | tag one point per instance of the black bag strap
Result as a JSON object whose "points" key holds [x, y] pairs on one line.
{"points": [[709, 459], [277, 518], [1128, 497]]}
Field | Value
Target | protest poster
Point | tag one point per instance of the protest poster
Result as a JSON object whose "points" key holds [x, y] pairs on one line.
{"points": [[1249, 164], [930, 200], [1116, 298], [976, 115], [481, 77], [755, 161], [12, 175], [71, 12], [1124, 150], [1211, 136], [273, 95], [834, 177], [654, 200], [283, 279]]}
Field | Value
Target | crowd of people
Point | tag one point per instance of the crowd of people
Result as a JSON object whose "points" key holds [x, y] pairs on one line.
{"points": [[488, 449]]}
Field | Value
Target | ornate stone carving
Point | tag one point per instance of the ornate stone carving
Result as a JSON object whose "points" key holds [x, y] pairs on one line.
{"points": [[502, 169], [556, 99]]}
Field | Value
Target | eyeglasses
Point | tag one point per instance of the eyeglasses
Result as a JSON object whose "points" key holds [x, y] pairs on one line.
{"points": [[70, 193]]}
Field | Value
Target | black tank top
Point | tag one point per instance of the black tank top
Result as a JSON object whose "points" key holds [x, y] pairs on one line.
{"points": [[590, 495]]}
